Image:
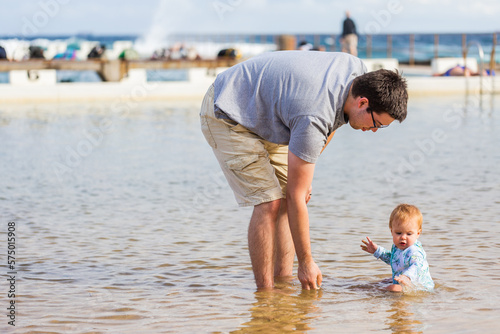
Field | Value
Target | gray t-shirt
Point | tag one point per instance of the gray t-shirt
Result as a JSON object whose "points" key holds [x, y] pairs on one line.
{"points": [[293, 98]]}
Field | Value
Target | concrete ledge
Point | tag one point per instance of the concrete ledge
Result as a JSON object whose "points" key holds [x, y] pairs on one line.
{"points": [[32, 77], [132, 88], [137, 89], [427, 86], [135, 76], [374, 64]]}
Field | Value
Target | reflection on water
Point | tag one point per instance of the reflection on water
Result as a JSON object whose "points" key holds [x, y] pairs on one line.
{"points": [[125, 224], [285, 309], [401, 319]]}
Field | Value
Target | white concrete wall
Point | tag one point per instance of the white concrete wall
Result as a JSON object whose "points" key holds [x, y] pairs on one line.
{"points": [[374, 64], [192, 90], [32, 77], [135, 75]]}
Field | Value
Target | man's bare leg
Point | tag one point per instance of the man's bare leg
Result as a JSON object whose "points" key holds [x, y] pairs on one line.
{"points": [[284, 253], [261, 239]]}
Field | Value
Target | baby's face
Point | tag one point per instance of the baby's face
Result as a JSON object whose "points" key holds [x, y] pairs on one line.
{"points": [[405, 233]]}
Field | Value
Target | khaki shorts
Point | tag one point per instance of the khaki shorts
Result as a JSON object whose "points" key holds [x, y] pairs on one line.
{"points": [[255, 169]]}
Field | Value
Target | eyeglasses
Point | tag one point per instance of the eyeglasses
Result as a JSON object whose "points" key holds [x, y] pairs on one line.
{"points": [[375, 126]]}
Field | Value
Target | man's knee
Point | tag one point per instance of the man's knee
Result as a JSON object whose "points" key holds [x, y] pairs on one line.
{"points": [[272, 206], [268, 209]]}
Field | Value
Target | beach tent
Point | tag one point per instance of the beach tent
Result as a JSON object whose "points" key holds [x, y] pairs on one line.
{"points": [[129, 54], [69, 54]]}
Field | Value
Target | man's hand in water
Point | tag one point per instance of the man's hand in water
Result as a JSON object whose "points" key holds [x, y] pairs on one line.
{"points": [[309, 275]]}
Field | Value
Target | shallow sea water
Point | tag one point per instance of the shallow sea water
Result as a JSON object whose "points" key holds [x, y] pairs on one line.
{"points": [[125, 224]]}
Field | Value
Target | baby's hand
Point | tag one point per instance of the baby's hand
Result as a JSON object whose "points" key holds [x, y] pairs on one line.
{"points": [[369, 246], [405, 281]]}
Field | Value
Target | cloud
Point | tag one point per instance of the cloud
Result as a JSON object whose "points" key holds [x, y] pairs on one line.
{"points": [[485, 7], [253, 16], [425, 16]]}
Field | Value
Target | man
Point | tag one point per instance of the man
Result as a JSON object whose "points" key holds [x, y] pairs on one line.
{"points": [[349, 37], [268, 119]]}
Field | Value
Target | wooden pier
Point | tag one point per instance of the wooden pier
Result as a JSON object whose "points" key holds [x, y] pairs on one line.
{"points": [[114, 70]]}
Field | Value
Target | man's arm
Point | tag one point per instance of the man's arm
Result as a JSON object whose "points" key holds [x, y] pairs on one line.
{"points": [[300, 175]]}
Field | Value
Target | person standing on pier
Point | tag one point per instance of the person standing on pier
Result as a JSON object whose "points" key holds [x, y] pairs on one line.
{"points": [[349, 37], [268, 119]]}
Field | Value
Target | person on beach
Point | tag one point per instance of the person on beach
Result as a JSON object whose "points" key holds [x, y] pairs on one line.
{"points": [[349, 36], [462, 71], [268, 119], [407, 258], [3, 53]]}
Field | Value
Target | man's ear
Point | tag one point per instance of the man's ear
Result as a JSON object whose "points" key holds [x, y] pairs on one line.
{"points": [[362, 102]]}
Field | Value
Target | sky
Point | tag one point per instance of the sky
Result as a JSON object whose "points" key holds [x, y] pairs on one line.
{"points": [[147, 17]]}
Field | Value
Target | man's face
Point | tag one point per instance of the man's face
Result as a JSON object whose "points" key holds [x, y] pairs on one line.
{"points": [[361, 119]]}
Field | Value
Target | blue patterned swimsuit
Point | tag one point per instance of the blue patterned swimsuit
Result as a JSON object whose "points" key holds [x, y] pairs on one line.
{"points": [[410, 262]]}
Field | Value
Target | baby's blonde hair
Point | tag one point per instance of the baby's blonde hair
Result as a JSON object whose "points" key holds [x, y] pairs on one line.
{"points": [[404, 212]]}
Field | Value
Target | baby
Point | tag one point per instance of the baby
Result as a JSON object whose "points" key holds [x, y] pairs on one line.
{"points": [[407, 257]]}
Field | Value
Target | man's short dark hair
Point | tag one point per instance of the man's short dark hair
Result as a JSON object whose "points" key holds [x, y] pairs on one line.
{"points": [[385, 91]]}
